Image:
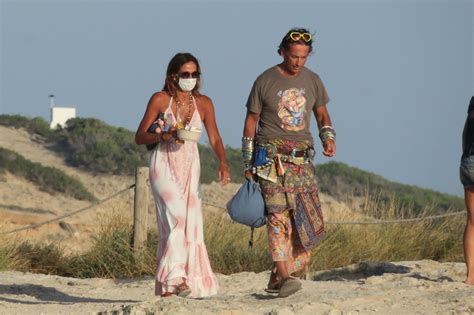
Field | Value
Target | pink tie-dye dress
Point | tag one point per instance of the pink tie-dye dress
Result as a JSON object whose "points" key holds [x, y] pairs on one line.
{"points": [[174, 178]]}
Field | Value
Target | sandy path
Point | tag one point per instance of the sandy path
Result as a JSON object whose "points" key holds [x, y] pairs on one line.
{"points": [[420, 287]]}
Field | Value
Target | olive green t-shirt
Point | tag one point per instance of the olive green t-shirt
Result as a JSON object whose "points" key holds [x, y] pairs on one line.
{"points": [[286, 104]]}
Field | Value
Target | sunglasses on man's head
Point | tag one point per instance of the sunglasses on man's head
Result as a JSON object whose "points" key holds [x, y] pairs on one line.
{"points": [[187, 75], [296, 36]]}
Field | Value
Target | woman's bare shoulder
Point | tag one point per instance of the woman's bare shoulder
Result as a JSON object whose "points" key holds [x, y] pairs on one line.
{"points": [[204, 100], [160, 96], [159, 99]]}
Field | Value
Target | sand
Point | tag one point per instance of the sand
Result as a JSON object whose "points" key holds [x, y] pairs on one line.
{"points": [[417, 287]]}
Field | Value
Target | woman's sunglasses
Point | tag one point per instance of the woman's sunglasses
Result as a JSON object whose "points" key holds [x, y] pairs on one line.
{"points": [[296, 36], [187, 75]]}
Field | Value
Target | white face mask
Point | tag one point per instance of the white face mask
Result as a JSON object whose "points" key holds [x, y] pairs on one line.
{"points": [[187, 84]]}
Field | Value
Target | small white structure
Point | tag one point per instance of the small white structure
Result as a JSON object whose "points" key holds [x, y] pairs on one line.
{"points": [[59, 115]]}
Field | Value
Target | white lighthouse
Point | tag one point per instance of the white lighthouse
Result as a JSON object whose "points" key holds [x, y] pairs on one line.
{"points": [[59, 115]]}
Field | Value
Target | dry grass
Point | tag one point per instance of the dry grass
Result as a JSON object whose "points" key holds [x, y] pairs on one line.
{"points": [[438, 239], [111, 255]]}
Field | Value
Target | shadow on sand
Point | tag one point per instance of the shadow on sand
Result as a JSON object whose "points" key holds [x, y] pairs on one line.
{"points": [[47, 295], [360, 271]]}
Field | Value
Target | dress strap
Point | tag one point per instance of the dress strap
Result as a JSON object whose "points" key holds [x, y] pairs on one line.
{"points": [[170, 102]]}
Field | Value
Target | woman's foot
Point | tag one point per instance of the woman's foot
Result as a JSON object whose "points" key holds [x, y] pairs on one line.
{"points": [[183, 290], [469, 280], [167, 294]]}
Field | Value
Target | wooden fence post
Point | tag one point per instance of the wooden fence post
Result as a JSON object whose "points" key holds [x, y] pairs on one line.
{"points": [[140, 210]]}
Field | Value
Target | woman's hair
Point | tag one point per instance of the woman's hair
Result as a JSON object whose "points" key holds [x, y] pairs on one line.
{"points": [[171, 84], [287, 40]]}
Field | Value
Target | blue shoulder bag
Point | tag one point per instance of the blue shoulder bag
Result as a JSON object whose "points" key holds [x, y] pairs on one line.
{"points": [[247, 206]]}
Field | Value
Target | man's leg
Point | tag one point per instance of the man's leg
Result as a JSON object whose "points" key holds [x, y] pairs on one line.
{"points": [[279, 237], [469, 235], [279, 227], [299, 257]]}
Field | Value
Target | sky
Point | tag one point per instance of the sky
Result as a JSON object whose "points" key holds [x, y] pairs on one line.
{"points": [[399, 74]]}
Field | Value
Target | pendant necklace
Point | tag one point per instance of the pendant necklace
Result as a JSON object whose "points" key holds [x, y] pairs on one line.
{"points": [[180, 105]]}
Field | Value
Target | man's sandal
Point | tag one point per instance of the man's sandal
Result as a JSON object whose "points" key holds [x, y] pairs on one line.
{"points": [[289, 286], [274, 287]]}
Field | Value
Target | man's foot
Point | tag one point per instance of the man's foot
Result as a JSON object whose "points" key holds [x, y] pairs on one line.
{"points": [[273, 287], [469, 281], [289, 286], [273, 283]]}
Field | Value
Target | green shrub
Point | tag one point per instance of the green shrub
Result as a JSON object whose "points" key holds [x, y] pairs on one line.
{"points": [[210, 163], [100, 148], [48, 179], [35, 125], [343, 182]]}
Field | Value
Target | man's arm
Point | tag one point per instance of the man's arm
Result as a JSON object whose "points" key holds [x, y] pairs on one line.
{"points": [[250, 126], [250, 130], [323, 119]]}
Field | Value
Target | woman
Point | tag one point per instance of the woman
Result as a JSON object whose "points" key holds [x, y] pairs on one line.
{"points": [[467, 179], [183, 266]]}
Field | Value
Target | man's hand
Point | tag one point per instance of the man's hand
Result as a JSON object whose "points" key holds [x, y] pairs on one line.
{"points": [[329, 148], [248, 174]]}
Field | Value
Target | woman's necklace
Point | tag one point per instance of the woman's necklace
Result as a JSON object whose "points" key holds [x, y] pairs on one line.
{"points": [[180, 105]]}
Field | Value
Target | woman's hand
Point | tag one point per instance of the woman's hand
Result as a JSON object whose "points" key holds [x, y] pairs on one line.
{"points": [[223, 173]]}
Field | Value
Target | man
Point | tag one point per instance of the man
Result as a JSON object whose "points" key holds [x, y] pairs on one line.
{"points": [[279, 154]]}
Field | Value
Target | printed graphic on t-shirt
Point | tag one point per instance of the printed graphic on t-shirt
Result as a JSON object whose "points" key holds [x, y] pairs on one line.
{"points": [[292, 109]]}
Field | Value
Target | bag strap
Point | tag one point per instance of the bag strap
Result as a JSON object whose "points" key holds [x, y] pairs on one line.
{"points": [[251, 238]]}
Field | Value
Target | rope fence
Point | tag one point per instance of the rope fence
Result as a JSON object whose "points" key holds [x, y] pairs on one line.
{"points": [[93, 205], [391, 221], [97, 203]]}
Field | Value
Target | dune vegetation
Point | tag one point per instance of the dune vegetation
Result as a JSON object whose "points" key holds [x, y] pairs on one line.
{"points": [[112, 256]]}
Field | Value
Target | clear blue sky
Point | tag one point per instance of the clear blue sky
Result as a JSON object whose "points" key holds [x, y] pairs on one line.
{"points": [[399, 73]]}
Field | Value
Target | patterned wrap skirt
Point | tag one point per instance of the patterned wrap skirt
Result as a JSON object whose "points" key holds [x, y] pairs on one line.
{"points": [[288, 183]]}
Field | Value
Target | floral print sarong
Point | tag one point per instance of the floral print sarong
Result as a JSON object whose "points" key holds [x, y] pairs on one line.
{"points": [[297, 190]]}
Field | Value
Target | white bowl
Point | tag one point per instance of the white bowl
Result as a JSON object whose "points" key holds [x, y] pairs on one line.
{"points": [[189, 135]]}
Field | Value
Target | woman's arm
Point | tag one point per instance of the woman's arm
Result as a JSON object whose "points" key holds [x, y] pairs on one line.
{"points": [[156, 104], [464, 135], [215, 140]]}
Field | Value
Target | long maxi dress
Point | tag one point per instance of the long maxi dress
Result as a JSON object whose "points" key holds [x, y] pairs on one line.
{"points": [[174, 178]]}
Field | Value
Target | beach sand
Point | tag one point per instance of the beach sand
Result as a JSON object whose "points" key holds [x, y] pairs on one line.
{"points": [[416, 287]]}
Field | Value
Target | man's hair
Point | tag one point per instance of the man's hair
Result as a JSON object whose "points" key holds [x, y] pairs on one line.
{"points": [[287, 41], [174, 65]]}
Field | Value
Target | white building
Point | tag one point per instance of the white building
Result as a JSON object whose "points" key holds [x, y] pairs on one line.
{"points": [[59, 115]]}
